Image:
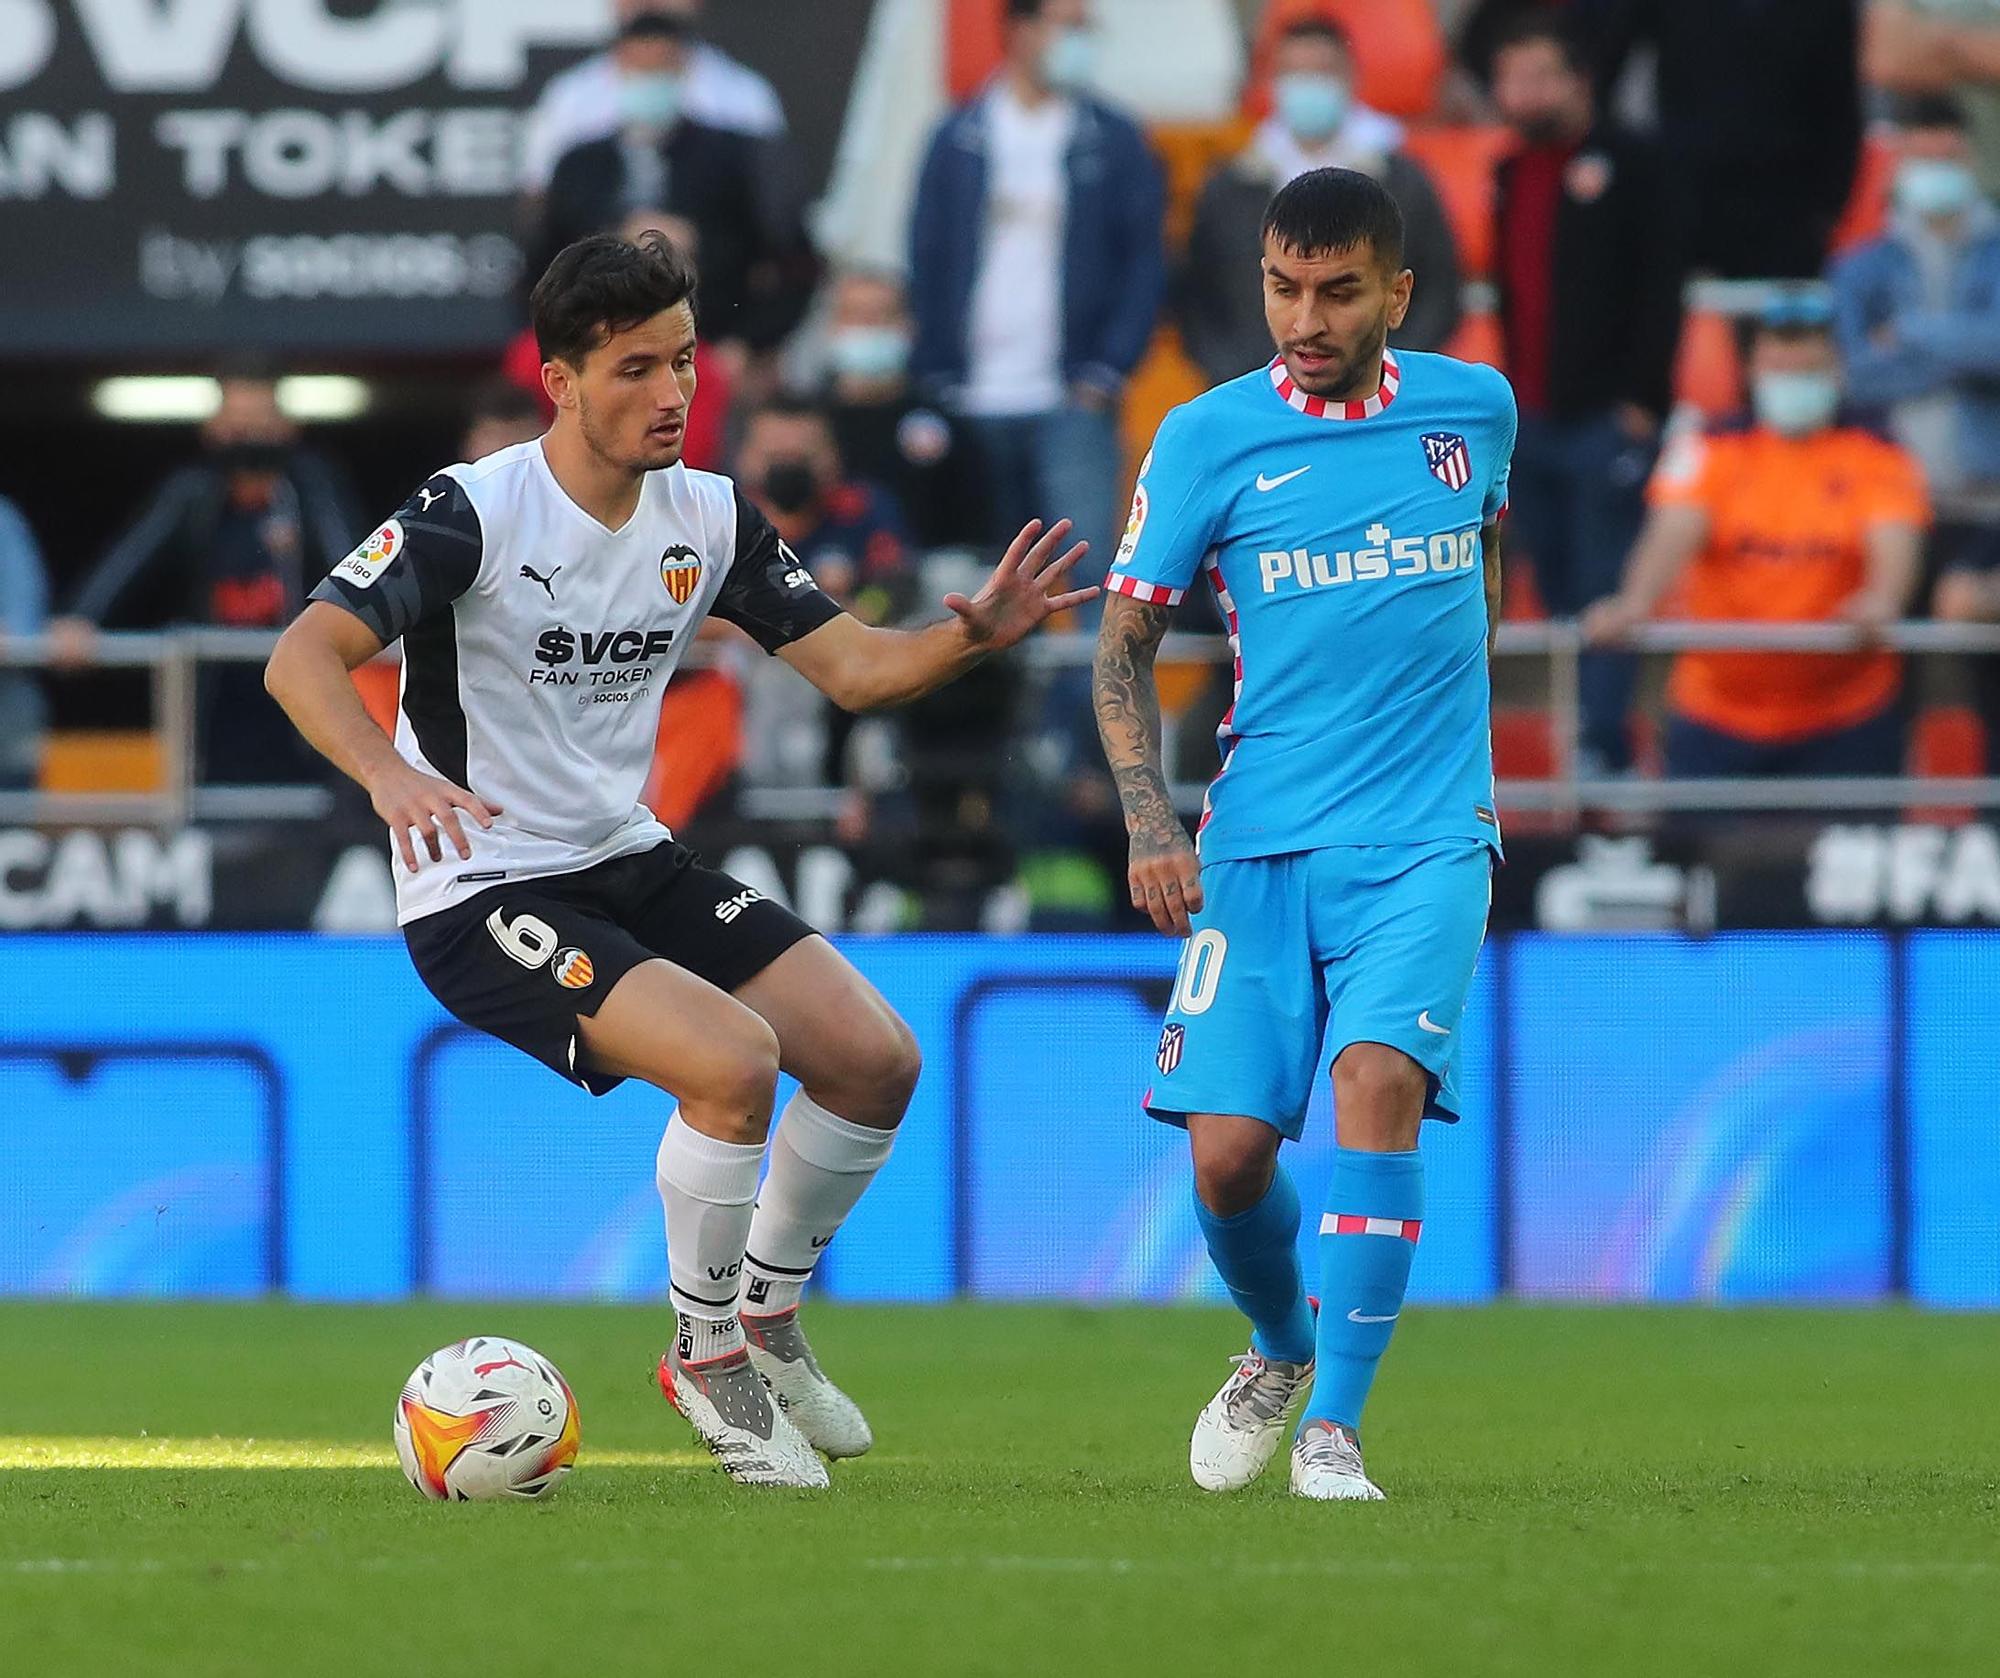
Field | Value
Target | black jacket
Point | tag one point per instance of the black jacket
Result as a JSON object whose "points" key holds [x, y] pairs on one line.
{"points": [[1615, 278], [757, 266], [1760, 113], [1218, 292]]}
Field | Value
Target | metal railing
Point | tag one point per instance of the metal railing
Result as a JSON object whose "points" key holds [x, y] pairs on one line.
{"points": [[174, 656]]}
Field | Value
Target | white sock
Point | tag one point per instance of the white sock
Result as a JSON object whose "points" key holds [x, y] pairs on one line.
{"points": [[820, 1164], [708, 1188]]}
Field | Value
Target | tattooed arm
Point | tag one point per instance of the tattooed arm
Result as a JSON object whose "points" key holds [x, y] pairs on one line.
{"points": [[1165, 877]]}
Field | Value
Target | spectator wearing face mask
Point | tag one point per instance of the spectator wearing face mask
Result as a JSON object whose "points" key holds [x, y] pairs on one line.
{"points": [[1315, 124], [1795, 518], [849, 534], [886, 433], [1037, 266], [741, 194], [24, 604], [581, 104], [1918, 318], [236, 540]]}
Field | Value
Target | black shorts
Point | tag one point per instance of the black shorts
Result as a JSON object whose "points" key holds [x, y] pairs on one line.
{"points": [[522, 962]]}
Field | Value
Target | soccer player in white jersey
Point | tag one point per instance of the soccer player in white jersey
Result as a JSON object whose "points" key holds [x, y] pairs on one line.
{"points": [[543, 596]]}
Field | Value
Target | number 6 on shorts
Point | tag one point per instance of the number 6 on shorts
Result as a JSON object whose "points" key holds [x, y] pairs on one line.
{"points": [[530, 940], [1199, 973]]}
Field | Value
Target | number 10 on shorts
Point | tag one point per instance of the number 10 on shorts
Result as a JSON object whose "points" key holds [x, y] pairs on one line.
{"points": [[1199, 973]]}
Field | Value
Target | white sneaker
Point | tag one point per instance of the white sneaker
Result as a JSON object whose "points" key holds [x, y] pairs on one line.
{"points": [[1326, 1464], [736, 1418], [1237, 1433], [780, 1352]]}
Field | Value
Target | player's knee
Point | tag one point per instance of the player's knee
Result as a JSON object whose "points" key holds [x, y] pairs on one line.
{"points": [[738, 1087], [895, 1062], [1231, 1173], [1378, 1096]]}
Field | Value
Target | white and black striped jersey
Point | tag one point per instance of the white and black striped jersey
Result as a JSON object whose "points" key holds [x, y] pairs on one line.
{"points": [[536, 643]]}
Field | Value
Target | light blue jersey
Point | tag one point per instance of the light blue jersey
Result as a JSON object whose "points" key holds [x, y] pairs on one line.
{"points": [[1342, 542]]}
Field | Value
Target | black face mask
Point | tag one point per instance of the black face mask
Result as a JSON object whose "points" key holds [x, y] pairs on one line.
{"points": [[791, 486], [251, 457]]}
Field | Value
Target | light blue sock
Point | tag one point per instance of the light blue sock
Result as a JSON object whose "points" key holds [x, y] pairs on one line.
{"points": [[1374, 1209], [1257, 1253]]}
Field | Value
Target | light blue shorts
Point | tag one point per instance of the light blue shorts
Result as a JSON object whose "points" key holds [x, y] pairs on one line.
{"points": [[1315, 950]]}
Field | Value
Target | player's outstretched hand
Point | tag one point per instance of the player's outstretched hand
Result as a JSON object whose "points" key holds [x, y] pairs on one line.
{"points": [[1165, 879], [407, 798], [1025, 588]]}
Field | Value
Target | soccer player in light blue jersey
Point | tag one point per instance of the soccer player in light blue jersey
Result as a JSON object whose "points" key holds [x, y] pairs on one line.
{"points": [[1343, 504]]}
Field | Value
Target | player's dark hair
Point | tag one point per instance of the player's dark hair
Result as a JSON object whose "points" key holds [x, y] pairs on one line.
{"points": [[1327, 210], [1550, 27], [602, 285], [1024, 11], [1310, 28]]}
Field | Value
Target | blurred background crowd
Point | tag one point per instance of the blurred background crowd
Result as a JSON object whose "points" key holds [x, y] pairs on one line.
{"points": [[1740, 259]]}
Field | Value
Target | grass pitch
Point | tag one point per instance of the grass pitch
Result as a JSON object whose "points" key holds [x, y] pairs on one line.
{"points": [[210, 1490]]}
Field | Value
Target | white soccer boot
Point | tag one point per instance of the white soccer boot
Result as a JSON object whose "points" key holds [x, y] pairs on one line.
{"points": [[779, 1351], [1326, 1464], [737, 1419], [1237, 1433]]}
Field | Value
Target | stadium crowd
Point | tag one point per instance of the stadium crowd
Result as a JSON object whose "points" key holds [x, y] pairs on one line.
{"points": [[1828, 451]]}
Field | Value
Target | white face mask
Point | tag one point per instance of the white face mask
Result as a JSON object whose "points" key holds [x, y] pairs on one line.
{"points": [[1069, 63], [1935, 186], [1795, 404]]}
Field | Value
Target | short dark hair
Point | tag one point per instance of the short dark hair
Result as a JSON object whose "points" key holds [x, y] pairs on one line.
{"points": [[789, 404], [1318, 28], [1549, 27], [1929, 110], [1327, 210], [602, 285]]}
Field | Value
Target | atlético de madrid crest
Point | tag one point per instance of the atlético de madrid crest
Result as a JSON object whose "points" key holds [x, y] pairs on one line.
{"points": [[1173, 1038], [680, 570], [1445, 454]]}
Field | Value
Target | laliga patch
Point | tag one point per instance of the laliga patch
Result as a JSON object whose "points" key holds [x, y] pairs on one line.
{"points": [[1173, 1039], [1128, 545], [373, 557], [572, 969]]}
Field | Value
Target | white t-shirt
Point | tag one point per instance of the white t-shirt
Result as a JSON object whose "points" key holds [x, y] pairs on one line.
{"points": [[1014, 344], [537, 642], [581, 105]]}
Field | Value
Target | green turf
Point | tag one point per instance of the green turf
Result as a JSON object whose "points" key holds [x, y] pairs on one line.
{"points": [[1620, 1493]]}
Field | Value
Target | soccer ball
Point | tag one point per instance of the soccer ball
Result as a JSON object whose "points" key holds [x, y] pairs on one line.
{"points": [[486, 1418]]}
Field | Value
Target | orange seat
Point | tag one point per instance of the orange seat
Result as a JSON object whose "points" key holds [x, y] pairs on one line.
{"points": [[1478, 339], [102, 760], [1708, 370], [1947, 740], [973, 45], [1399, 50], [699, 746], [377, 683], [1460, 159], [1524, 748]]}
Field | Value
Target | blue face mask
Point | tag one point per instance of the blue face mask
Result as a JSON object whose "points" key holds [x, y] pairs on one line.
{"points": [[1934, 186], [652, 101], [1795, 404], [1069, 62], [1312, 107], [868, 352]]}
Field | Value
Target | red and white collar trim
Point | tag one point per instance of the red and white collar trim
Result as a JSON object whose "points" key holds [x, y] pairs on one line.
{"points": [[1320, 408]]}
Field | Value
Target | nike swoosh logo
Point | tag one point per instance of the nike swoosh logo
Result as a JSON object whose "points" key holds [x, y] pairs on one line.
{"points": [[1426, 1023], [1357, 1317], [1268, 484]]}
